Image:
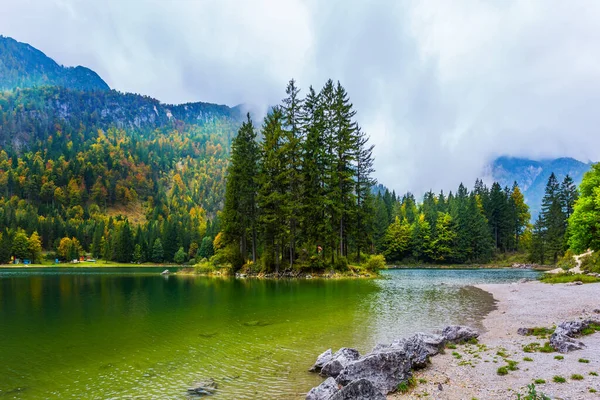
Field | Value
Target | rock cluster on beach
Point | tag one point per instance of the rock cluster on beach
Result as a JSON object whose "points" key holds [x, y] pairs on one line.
{"points": [[563, 339], [372, 376]]}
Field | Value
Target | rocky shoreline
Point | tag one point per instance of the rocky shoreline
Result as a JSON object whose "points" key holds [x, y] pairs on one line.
{"points": [[539, 334], [384, 369]]}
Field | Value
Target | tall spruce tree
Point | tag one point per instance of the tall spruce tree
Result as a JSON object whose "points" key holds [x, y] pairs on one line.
{"points": [[292, 112], [553, 217], [364, 197], [239, 212], [271, 190]]}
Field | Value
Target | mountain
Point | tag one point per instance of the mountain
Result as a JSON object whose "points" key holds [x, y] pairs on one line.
{"points": [[532, 175], [90, 168], [23, 66]]}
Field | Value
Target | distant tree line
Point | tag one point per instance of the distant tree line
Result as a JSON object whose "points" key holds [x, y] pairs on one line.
{"points": [[461, 227], [550, 230]]}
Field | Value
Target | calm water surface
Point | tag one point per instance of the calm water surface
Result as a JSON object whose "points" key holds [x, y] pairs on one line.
{"points": [[132, 333]]}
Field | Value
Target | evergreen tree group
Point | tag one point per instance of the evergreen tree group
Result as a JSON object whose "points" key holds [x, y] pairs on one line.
{"points": [[550, 239], [461, 227], [301, 195]]}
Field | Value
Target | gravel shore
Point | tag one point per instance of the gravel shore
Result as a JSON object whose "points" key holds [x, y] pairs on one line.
{"points": [[470, 371]]}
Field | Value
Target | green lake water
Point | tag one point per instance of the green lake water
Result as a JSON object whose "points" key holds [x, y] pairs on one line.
{"points": [[125, 333]]}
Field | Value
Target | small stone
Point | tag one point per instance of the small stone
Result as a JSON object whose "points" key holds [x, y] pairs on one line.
{"points": [[440, 387]]}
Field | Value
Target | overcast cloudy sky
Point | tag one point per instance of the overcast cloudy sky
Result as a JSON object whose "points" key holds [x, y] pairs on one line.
{"points": [[441, 86]]}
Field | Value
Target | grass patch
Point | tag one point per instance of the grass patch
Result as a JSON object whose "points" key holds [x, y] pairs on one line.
{"points": [[541, 332], [406, 386], [567, 278], [473, 341], [546, 348], [456, 355], [592, 328], [592, 390], [502, 371], [527, 359], [502, 353], [535, 346], [512, 365], [422, 381], [539, 381], [558, 379], [577, 377], [559, 358], [584, 360], [593, 373], [451, 346]]}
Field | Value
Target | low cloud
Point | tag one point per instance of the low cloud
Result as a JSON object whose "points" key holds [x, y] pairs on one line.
{"points": [[442, 87]]}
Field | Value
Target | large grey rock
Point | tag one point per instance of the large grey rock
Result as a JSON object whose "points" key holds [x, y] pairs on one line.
{"points": [[564, 343], [360, 389], [323, 359], [324, 391], [459, 333], [418, 347], [385, 369], [563, 338], [339, 360]]}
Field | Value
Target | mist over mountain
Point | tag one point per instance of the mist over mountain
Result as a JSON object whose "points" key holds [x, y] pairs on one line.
{"points": [[532, 175]]}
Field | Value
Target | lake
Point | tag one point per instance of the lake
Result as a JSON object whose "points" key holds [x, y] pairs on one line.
{"points": [[128, 333]]}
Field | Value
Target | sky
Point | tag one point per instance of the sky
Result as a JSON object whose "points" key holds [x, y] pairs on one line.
{"points": [[442, 87]]}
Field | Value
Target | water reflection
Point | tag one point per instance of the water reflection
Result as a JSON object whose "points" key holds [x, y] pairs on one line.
{"points": [[90, 334]]}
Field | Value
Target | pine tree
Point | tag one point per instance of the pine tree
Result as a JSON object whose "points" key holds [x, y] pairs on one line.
{"points": [[292, 119], [538, 239], [314, 159], [271, 189], [157, 251], [364, 197], [569, 196], [553, 217], [239, 212]]}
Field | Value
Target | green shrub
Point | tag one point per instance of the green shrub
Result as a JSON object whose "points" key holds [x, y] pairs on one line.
{"points": [[593, 373], [374, 263], [591, 263], [456, 355], [341, 264], [577, 377], [584, 360], [406, 386], [559, 358], [558, 379], [592, 390], [532, 394], [568, 277], [539, 381], [502, 371], [204, 267], [527, 359]]}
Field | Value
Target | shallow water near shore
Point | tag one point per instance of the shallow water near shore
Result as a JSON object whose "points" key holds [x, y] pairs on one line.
{"points": [[132, 333]]}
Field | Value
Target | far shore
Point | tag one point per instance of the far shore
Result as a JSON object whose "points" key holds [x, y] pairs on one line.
{"points": [[469, 266], [471, 371]]}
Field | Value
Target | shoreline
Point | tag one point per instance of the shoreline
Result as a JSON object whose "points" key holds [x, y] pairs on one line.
{"points": [[471, 371]]}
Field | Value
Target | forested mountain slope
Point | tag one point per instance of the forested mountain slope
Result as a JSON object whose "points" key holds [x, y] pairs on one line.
{"points": [[110, 170]]}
